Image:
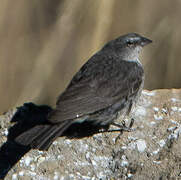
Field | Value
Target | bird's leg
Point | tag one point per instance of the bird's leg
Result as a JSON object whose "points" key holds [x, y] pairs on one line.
{"points": [[131, 123], [122, 127]]}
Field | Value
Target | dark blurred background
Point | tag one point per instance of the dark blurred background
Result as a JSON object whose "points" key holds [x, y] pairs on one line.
{"points": [[43, 43]]}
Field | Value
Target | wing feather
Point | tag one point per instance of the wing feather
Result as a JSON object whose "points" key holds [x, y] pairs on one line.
{"points": [[96, 86]]}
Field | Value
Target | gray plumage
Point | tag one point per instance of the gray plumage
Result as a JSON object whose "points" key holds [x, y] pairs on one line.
{"points": [[107, 84]]}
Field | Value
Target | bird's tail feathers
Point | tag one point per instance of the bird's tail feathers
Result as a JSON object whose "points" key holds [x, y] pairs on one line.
{"points": [[41, 136]]}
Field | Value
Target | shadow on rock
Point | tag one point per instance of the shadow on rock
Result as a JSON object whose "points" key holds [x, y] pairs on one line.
{"points": [[25, 118], [28, 116]]}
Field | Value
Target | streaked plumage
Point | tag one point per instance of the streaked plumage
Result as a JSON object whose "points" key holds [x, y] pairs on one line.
{"points": [[107, 84]]}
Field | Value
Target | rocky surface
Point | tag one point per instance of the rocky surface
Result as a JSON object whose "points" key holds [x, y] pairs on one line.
{"points": [[151, 151]]}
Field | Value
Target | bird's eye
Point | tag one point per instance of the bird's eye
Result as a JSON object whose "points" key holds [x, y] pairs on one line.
{"points": [[130, 43]]}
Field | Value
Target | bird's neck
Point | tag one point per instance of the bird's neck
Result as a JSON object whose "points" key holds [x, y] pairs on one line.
{"points": [[130, 56], [134, 60]]}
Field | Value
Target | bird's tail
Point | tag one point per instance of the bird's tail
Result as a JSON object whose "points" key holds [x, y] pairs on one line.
{"points": [[41, 136]]}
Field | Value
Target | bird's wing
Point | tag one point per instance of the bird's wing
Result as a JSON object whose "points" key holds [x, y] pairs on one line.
{"points": [[97, 85]]}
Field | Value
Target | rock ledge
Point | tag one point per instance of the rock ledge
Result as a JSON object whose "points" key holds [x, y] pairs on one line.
{"points": [[152, 151]]}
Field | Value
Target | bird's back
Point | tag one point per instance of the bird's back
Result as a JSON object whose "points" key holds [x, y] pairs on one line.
{"points": [[101, 82]]}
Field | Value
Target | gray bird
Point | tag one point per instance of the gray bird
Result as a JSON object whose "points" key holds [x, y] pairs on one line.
{"points": [[108, 84]]}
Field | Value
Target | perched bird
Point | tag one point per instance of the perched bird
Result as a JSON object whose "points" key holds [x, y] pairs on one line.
{"points": [[108, 84]]}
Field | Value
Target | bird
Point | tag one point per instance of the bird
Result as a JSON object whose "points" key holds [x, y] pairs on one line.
{"points": [[105, 87]]}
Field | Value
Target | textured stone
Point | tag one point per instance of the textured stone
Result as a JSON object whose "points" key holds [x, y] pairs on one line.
{"points": [[151, 151]]}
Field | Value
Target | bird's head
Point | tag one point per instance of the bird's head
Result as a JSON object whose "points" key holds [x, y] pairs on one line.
{"points": [[127, 46]]}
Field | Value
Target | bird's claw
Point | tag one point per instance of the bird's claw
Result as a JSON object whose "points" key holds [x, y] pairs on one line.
{"points": [[122, 127]]}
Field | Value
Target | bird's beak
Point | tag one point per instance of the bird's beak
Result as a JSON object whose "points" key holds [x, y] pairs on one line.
{"points": [[145, 41]]}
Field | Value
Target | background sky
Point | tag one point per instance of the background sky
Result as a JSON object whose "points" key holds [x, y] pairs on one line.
{"points": [[43, 43]]}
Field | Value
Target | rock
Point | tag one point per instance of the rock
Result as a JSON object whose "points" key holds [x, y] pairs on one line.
{"points": [[151, 151]]}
